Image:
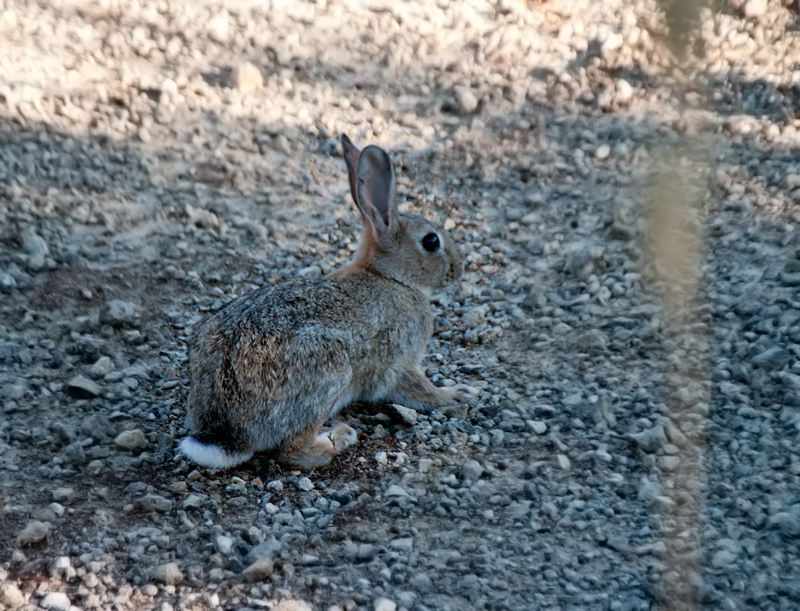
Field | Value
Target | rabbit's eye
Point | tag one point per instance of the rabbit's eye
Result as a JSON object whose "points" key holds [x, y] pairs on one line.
{"points": [[431, 242]]}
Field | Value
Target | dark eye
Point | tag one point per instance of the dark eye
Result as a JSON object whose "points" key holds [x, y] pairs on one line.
{"points": [[431, 242]]}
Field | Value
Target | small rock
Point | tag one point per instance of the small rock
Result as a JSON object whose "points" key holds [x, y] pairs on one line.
{"points": [[84, 387], [648, 490], [168, 574], [117, 313], [475, 316], [408, 415], [131, 440], [102, 367], [466, 102], [602, 152], [792, 181], [384, 604], [624, 92], [56, 601], [651, 440], [266, 549], [425, 465], [34, 244], [293, 605], [754, 8], [496, 438], [537, 426], [65, 496], [305, 484], [246, 78], [366, 552], [11, 596], [405, 544], [668, 463], [312, 271], [153, 502], [193, 501], [223, 544], [394, 491], [62, 568], [788, 522], [275, 486], [260, 570], [563, 462], [471, 470], [34, 532], [772, 358], [7, 282]]}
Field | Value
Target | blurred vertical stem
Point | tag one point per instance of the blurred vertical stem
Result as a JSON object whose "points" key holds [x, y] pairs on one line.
{"points": [[674, 242]]}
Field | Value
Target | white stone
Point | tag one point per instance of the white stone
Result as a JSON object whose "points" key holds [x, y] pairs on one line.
{"points": [[56, 601]]}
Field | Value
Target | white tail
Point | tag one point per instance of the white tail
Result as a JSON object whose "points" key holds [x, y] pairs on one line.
{"points": [[211, 455]]}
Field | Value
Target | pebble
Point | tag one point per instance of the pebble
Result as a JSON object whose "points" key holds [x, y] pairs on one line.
{"points": [[118, 313], [624, 92], [34, 532], [772, 358], [384, 604], [223, 544], [408, 415], [293, 605], [64, 496], [84, 387], [476, 316], [11, 596], [563, 462], [193, 501], [754, 8], [131, 440], [471, 470], [154, 502], [651, 440], [56, 601], [102, 367], [669, 463], [246, 78], [305, 484], [787, 522], [7, 282], [168, 574], [537, 426], [259, 570], [466, 102]]}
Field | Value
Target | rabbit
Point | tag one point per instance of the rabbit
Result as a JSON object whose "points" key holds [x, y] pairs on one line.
{"points": [[270, 368]]}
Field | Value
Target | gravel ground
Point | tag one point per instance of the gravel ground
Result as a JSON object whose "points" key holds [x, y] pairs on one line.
{"points": [[635, 440]]}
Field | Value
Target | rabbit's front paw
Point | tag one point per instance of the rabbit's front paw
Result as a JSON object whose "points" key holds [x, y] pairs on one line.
{"points": [[464, 392], [343, 436]]}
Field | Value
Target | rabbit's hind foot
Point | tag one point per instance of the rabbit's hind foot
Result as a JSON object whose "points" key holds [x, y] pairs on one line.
{"points": [[309, 450]]}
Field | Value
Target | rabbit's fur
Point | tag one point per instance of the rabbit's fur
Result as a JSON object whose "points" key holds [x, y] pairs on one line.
{"points": [[269, 368]]}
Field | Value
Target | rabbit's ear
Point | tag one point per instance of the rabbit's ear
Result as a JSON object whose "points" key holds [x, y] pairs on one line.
{"points": [[375, 191], [350, 153]]}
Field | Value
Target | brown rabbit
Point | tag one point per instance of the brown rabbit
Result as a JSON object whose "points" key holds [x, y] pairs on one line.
{"points": [[269, 368]]}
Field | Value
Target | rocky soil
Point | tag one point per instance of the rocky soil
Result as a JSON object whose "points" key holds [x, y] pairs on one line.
{"points": [[158, 159]]}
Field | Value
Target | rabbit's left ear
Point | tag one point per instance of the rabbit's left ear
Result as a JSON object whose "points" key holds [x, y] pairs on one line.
{"points": [[350, 153], [375, 192]]}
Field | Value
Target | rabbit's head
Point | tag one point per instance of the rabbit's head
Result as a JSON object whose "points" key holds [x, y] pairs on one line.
{"points": [[406, 248]]}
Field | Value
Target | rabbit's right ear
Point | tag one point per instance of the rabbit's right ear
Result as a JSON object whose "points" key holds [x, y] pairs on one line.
{"points": [[375, 192]]}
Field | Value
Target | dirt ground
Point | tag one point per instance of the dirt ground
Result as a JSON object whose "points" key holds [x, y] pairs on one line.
{"points": [[629, 311]]}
